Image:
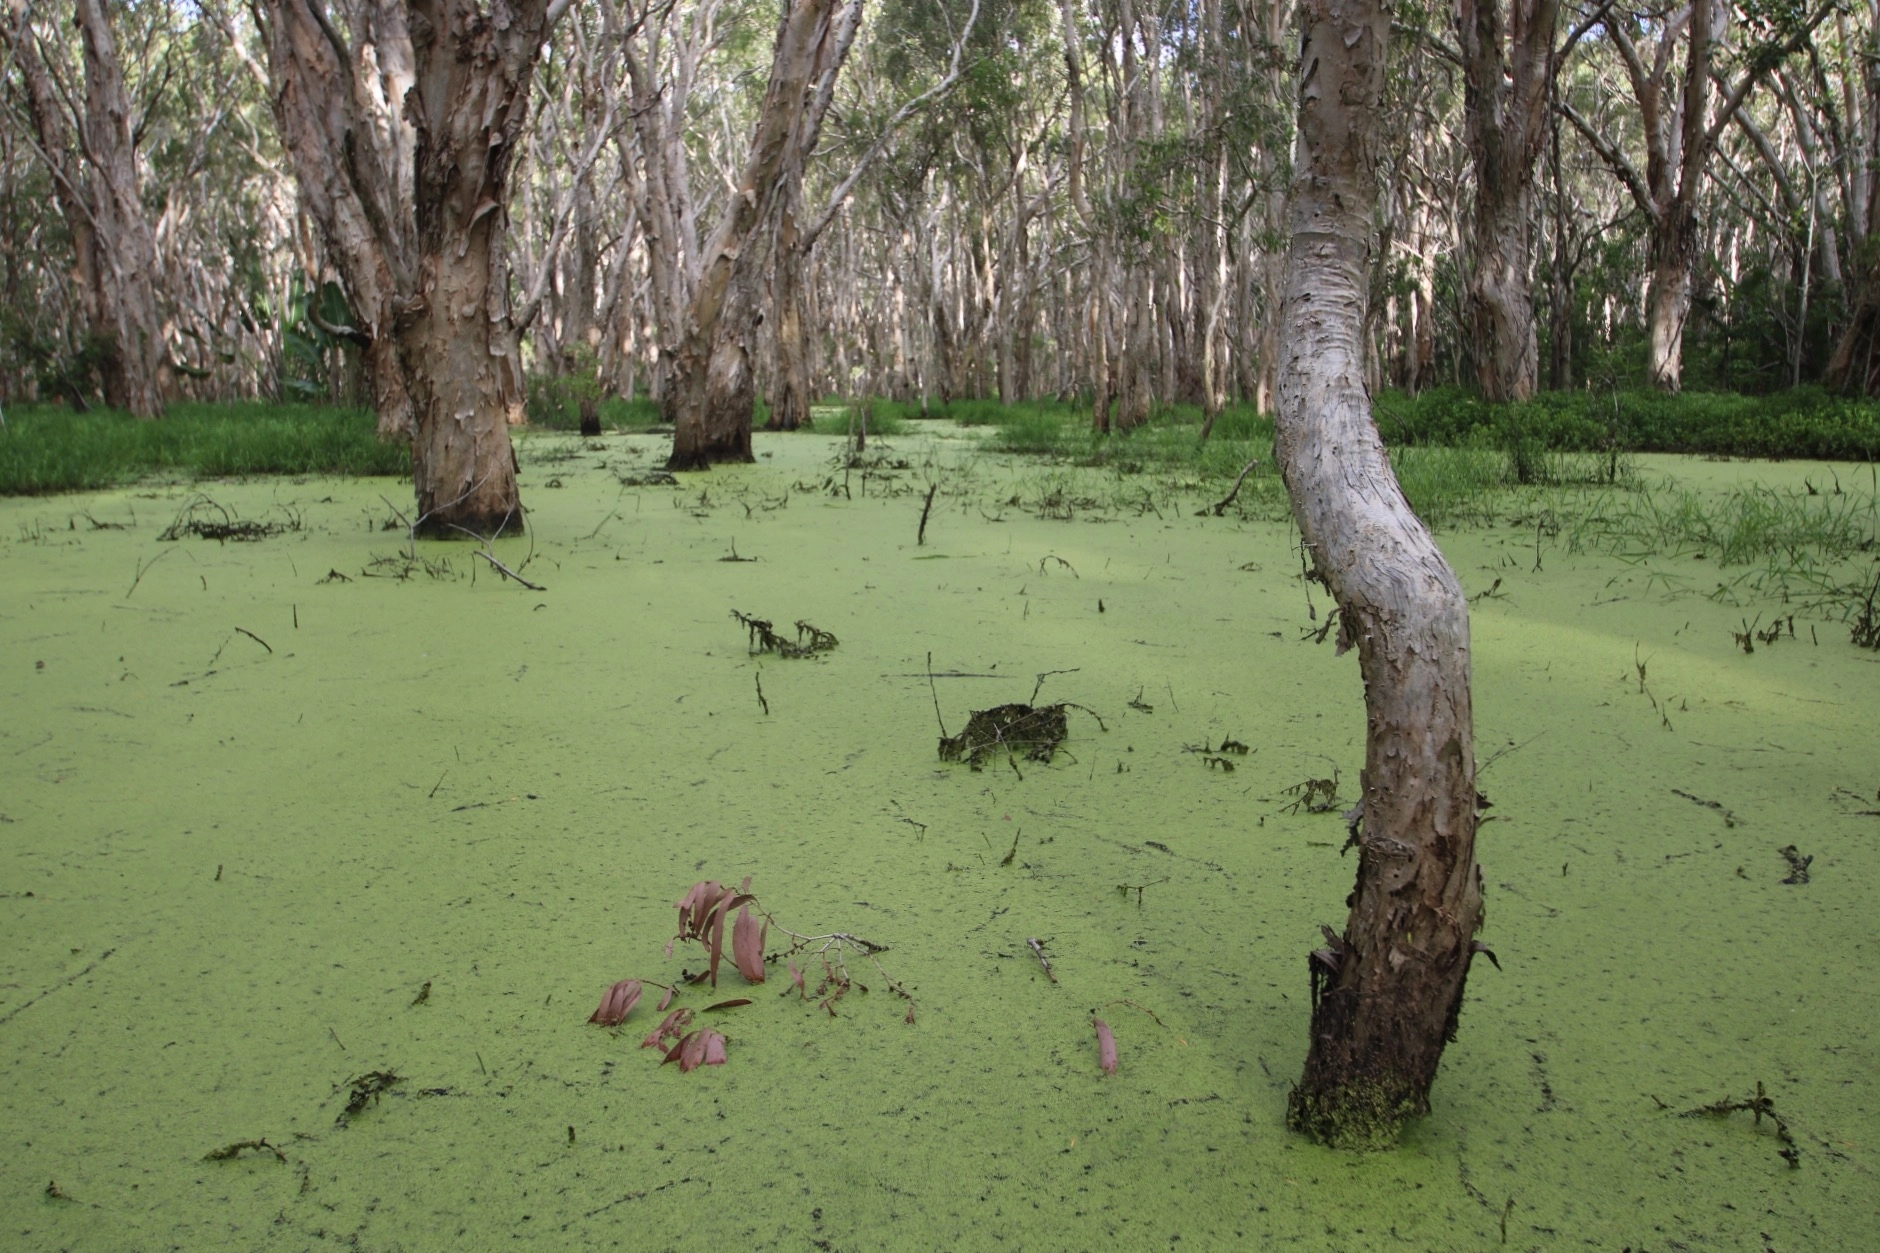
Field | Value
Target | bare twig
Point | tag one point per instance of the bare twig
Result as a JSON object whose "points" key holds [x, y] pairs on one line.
{"points": [[257, 639], [920, 536], [495, 564], [144, 568], [1220, 506]]}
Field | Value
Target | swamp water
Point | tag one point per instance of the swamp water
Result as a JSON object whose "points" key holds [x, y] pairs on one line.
{"points": [[254, 803]]}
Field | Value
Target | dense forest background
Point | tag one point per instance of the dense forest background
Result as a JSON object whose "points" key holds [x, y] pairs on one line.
{"points": [[1008, 199]]}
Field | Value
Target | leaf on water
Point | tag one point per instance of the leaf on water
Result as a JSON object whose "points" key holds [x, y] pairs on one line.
{"points": [[747, 945], [1106, 1046], [704, 1047], [733, 1003], [718, 936], [696, 908], [670, 992], [796, 977], [617, 1003], [672, 1024]]}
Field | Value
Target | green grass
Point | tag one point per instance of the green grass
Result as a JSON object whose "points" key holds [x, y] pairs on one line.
{"points": [[554, 404], [46, 448], [837, 418], [1445, 485], [1807, 422]]}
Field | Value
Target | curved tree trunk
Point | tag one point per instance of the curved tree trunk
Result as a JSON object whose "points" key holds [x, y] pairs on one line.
{"points": [[353, 171], [1386, 993]]}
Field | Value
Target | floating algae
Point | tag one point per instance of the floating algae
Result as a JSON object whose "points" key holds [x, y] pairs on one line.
{"points": [[502, 793]]}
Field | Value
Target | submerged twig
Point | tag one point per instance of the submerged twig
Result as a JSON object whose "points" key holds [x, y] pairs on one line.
{"points": [[1037, 947]]}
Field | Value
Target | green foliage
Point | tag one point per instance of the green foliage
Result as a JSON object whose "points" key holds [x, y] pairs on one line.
{"points": [[314, 363], [838, 418], [47, 449], [554, 401], [1806, 422]]}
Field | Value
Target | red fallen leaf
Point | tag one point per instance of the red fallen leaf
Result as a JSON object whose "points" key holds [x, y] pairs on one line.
{"points": [[747, 945], [714, 1049], [1106, 1046], [730, 1004], [617, 1003], [670, 992], [672, 1025], [796, 977]]}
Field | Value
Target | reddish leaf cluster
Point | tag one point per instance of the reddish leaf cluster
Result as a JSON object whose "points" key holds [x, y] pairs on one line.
{"points": [[698, 1048], [673, 1025], [618, 1003], [702, 917]]}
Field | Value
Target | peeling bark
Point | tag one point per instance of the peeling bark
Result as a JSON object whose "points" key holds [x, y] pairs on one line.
{"points": [[1507, 74], [94, 178], [714, 384], [403, 162], [1388, 991]]}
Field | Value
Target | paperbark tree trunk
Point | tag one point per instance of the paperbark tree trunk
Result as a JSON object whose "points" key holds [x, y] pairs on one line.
{"points": [[1668, 295], [137, 370], [406, 172], [350, 149], [1387, 993], [790, 390], [94, 178], [468, 106], [714, 380], [1507, 75], [1681, 131]]}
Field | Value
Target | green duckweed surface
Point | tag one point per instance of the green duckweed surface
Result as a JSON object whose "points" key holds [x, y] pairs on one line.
{"points": [[253, 800]]}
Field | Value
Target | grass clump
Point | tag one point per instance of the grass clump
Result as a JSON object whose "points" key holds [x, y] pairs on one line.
{"points": [[47, 449], [839, 418]]}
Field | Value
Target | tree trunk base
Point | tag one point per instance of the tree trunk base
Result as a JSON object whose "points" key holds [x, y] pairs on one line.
{"points": [[1364, 1114], [466, 524], [706, 455]]}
